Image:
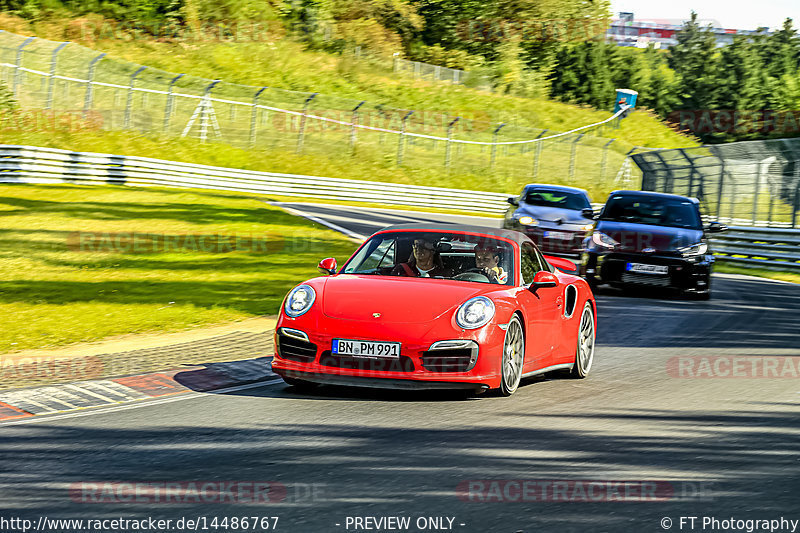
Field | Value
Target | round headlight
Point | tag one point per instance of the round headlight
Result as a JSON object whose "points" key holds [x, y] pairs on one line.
{"points": [[696, 249], [601, 239], [528, 221], [300, 300], [475, 313]]}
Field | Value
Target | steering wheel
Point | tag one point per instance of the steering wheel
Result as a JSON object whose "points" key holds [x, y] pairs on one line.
{"points": [[473, 274]]}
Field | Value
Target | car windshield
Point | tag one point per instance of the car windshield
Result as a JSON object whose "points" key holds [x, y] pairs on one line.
{"points": [[550, 198], [655, 211], [436, 255]]}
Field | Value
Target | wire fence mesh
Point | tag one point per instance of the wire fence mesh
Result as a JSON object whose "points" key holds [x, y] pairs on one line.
{"points": [[116, 94], [743, 183]]}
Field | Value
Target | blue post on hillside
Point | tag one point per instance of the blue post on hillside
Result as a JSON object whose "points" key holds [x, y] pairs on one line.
{"points": [[625, 97]]}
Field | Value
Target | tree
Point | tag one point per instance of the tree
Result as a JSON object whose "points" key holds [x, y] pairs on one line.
{"points": [[694, 59], [739, 76], [599, 88], [783, 51], [566, 83]]}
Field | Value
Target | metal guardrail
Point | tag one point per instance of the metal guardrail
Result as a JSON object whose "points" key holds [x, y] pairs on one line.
{"points": [[30, 164], [766, 247]]}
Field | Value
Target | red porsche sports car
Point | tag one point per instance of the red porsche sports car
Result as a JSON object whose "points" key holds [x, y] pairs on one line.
{"points": [[437, 306]]}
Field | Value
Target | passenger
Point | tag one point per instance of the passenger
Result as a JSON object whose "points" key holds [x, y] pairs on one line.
{"points": [[487, 259], [424, 262]]}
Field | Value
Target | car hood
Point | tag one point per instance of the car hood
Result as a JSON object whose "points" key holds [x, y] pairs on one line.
{"points": [[397, 299], [638, 237], [553, 214]]}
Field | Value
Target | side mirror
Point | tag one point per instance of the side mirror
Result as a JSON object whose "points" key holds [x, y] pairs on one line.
{"points": [[513, 201], [587, 212], [716, 227], [327, 266], [544, 280]]}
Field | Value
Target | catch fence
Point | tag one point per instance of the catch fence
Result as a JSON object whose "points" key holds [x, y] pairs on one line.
{"points": [[743, 183], [114, 94]]}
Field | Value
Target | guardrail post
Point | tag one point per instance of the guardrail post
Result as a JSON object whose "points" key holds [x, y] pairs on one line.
{"points": [[796, 206], [449, 139], [52, 78], [720, 189], [129, 104], [301, 133], [494, 145], [537, 154], [18, 63], [354, 122], [169, 107], [254, 117], [395, 61], [604, 162], [402, 139], [87, 101], [573, 155], [755, 194]]}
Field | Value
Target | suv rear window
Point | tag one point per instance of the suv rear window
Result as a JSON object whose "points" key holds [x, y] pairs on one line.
{"points": [[670, 212]]}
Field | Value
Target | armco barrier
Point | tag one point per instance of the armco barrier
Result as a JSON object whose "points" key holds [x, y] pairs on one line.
{"points": [[28, 164], [767, 247], [770, 247]]}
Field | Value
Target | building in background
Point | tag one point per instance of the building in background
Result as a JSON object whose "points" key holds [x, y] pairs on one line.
{"points": [[627, 31]]}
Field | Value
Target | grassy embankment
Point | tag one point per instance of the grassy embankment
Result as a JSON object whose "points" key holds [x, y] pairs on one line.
{"points": [[57, 289], [284, 64]]}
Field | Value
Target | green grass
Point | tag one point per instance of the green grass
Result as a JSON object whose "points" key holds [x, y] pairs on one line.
{"points": [[782, 275], [282, 63], [54, 294]]}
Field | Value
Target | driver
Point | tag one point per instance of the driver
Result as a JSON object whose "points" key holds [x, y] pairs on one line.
{"points": [[487, 259], [424, 263]]}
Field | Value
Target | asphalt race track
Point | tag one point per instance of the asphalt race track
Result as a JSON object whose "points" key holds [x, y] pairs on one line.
{"points": [[697, 399]]}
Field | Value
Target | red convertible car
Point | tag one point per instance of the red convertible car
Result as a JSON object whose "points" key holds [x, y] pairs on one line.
{"points": [[437, 306]]}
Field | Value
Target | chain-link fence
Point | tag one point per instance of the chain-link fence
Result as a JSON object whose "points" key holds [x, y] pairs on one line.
{"points": [[426, 71], [115, 94], [744, 183]]}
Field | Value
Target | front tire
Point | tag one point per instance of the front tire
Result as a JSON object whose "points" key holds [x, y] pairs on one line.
{"points": [[584, 352], [513, 356]]}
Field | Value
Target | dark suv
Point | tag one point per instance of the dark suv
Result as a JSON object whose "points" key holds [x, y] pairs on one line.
{"points": [[653, 240]]}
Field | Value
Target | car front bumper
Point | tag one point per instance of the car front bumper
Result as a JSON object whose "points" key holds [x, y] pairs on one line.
{"points": [[417, 367], [684, 274]]}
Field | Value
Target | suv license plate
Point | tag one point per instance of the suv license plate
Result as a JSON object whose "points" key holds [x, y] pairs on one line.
{"points": [[642, 268], [562, 235]]}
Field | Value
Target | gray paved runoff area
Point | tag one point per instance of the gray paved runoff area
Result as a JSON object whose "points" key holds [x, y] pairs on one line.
{"points": [[722, 446]]}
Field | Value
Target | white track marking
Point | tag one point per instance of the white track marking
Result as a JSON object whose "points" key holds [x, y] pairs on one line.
{"points": [[353, 235], [91, 393], [39, 419]]}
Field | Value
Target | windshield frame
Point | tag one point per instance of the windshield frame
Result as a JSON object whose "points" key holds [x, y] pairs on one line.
{"points": [[577, 194], [668, 204], [513, 273]]}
